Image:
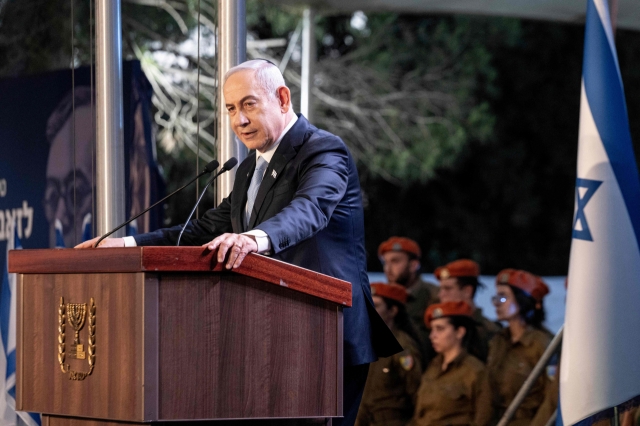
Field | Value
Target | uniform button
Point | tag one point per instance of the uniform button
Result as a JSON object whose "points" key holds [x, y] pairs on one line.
{"points": [[385, 370]]}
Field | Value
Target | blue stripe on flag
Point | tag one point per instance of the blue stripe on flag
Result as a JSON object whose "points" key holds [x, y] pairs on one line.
{"points": [[559, 415], [35, 417], [606, 100]]}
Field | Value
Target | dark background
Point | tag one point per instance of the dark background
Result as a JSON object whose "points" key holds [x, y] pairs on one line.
{"points": [[508, 202]]}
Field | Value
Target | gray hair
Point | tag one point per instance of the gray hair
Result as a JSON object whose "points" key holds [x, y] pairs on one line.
{"points": [[267, 75]]}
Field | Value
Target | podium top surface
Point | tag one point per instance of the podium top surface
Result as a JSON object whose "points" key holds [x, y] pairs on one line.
{"points": [[177, 259]]}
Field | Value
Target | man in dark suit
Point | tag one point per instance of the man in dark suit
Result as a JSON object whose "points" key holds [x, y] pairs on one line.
{"points": [[297, 199]]}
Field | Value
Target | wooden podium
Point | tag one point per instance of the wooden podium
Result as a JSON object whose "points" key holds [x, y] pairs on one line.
{"points": [[166, 334]]}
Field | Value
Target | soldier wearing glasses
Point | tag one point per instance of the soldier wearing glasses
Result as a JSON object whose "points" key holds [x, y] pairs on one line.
{"points": [[514, 351]]}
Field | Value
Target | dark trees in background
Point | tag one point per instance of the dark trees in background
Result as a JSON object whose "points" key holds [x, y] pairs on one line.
{"points": [[509, 202]]}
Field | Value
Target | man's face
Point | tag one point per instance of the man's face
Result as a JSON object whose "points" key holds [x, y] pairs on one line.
{"points": [[256, 118], [59, 193], [450, 291], [399, 268]]}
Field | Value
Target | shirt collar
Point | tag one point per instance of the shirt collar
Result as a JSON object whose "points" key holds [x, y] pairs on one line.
{"points": [[527, 336], [454, 363], [525, 340], [268, 154]]}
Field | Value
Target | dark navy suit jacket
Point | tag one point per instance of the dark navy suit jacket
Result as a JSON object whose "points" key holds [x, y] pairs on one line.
{"points": [[310, 206]]}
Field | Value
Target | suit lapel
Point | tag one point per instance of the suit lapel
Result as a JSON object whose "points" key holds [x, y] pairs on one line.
{"points": [[243, 179], [284, 153]]}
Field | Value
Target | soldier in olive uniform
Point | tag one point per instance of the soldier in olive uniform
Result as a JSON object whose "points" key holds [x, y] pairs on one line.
{"points": [[392, 383], [514, 351], [400, 259], [459, 283], [455, 388]]}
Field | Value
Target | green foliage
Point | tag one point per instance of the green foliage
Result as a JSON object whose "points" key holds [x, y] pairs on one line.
{"points": [[412, 90], [268, 21], [405, 92], [29, 36]]}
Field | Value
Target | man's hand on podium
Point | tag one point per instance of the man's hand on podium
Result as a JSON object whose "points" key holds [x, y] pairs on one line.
{"points": [[107, 242], [238, 246]]}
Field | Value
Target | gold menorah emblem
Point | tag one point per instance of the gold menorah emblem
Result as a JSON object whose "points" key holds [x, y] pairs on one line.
{"points": [[76, 314]]}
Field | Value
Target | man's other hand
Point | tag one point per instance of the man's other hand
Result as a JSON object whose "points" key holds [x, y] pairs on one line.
{"points": [[107, 242], [237, 245]]}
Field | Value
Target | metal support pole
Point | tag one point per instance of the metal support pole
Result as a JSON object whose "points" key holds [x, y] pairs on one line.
{"points": [[308, 62], [232, 50], [528, 384], [110, 187]]}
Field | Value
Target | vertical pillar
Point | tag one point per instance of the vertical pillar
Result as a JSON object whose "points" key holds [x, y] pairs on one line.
{"points": [[308, 62], [110, 186], [232, 50]]}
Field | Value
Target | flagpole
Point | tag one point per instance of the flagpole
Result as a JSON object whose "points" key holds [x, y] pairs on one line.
{"points": [[553, 347], [110, 186], [613, 12], [308, 62], [232, 50]]}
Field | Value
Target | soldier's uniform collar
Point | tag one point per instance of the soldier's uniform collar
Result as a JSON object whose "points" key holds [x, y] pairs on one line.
{"points": [[455, 363], [526, 339]]}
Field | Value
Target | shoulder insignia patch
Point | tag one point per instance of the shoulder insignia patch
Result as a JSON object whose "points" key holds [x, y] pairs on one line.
{"points": [[406, 362]]}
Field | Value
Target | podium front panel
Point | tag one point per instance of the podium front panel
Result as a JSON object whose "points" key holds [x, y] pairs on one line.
{"points": [[231, 346], [48, 345], [176, 346]]}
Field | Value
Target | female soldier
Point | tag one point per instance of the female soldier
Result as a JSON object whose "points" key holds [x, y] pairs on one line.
{"points": [[515, 350], [392, 383], [455, 388]]}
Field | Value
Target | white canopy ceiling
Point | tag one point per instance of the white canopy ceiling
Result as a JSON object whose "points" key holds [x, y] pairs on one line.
{"points": [[628, 16]]}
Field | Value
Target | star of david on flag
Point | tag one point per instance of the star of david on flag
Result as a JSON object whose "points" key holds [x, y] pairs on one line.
{"points": [[599, 367], [580, 225]]}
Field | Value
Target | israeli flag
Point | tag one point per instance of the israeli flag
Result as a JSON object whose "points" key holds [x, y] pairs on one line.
{"points": [[8, 413], [600, 366]]}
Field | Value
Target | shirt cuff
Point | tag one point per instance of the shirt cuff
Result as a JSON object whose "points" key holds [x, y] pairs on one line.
{"points": [[262, 239], [130, 242]]}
